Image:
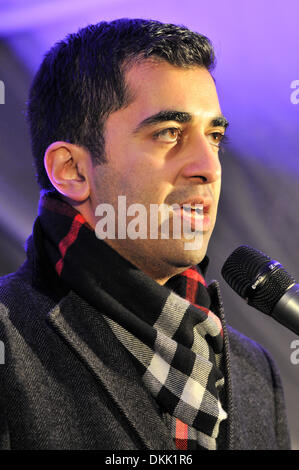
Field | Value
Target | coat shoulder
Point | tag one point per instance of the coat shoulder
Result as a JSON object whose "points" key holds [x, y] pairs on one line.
{"points": [[246, 348], [19, 296], [252, 364], [258, 395], [14, 287]]}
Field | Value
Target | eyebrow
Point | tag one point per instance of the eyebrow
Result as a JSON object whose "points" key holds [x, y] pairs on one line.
{"points": [[178, 116], [220, 121]]}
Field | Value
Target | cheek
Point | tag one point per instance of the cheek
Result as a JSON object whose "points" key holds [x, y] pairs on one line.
{"points": [[217, 190], [138, 170], [145, 168]]}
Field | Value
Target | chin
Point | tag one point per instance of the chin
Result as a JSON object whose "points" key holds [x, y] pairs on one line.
{"points": [[188, 260], [178, 256]]}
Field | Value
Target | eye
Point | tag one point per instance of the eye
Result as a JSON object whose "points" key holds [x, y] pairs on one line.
{"points": [[169, 135], [217, 138]]}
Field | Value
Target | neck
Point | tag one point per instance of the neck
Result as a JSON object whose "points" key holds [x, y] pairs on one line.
{"points": [[158, 270]]}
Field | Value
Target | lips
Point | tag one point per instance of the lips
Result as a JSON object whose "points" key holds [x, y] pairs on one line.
{"points": [[195, 212], [194, 203]]}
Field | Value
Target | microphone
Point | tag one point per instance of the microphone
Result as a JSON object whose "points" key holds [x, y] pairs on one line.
{"points": [[264, 284]]}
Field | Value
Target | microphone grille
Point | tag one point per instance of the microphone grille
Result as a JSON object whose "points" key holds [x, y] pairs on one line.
{"points": [[241, 269]]}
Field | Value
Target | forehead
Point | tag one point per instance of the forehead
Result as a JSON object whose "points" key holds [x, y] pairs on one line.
{"points": [[156, 85]]}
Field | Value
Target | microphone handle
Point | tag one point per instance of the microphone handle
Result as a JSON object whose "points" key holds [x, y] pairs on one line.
{"points": [[286, 311]]}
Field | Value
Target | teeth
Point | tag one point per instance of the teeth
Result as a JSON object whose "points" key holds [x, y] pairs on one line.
{"points": [[193, 206], [198, 210]]}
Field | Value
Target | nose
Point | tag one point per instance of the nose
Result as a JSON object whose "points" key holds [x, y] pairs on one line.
{"points": [[202, 161]]}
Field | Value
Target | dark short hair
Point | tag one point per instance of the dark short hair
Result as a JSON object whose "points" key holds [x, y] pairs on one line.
{"points": [[82, 80]]}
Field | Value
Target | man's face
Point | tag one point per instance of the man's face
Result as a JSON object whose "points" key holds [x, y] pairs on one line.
{"points": [[163, 148]]}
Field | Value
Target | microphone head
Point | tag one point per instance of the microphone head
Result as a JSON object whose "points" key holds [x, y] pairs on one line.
{"points": [[256, 278]]}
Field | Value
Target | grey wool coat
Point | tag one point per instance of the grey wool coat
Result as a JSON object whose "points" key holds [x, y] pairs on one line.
{"points": [[67, 382]]}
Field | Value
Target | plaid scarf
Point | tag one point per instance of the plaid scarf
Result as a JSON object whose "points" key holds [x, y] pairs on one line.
{"points": [[171, 335]]}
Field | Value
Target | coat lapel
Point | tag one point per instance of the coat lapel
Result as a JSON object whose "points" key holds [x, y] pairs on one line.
{"points": [[88, 335], [217, 308]]}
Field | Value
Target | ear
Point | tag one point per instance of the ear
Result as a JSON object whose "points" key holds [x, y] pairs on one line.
{"points": [[68, 168]]}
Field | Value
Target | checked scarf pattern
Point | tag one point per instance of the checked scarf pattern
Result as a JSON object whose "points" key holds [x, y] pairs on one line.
{"points": [[174, 340]]}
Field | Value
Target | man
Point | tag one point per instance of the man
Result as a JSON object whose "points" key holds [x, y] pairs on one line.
{"points": [[119, 343]]}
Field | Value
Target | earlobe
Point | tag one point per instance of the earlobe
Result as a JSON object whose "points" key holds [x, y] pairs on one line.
{"points": [[67, 169]]}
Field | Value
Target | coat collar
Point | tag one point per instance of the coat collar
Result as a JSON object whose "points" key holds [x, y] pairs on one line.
{"points": [[85, 331]]}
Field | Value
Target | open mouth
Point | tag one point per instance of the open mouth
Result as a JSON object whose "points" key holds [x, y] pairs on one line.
{"points": [[196, 210], [194, 216]]}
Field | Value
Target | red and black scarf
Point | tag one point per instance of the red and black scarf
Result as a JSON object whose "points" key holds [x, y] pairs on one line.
{"points": [[169, 331]]}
